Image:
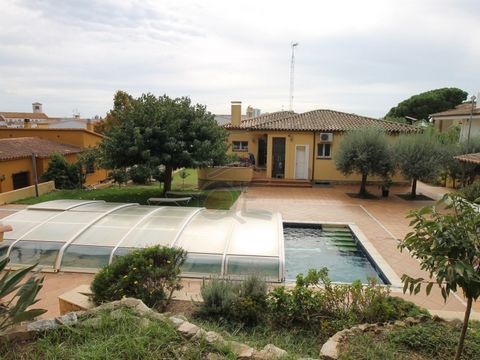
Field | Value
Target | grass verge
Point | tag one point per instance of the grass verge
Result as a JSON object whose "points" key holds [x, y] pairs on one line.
{"points": [[426, 341], [123, 336]]}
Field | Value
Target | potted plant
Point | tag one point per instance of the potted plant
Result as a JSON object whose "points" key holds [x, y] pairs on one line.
{"points": [[385, 185]]}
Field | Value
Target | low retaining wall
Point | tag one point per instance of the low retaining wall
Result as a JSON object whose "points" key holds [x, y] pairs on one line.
{"points": [[29, 191], [214, 177]]}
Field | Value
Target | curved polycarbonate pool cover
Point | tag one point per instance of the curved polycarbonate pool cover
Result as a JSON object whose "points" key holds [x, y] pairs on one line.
{"points": [[83, 236]]}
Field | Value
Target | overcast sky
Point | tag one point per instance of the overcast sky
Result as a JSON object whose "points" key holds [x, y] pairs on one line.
{"points": [[354, 56]]}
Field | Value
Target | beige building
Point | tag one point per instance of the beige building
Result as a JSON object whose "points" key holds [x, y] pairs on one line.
{"points": [[292, 146], [467, 115]]}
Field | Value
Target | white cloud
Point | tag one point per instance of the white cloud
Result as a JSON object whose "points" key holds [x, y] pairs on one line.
{"points": [[357, 56]]}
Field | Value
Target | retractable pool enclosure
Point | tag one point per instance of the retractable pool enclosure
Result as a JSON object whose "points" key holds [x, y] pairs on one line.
{"points": [[83, 236]]}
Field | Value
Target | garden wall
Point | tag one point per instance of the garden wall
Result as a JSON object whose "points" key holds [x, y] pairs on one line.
{"points": [[29, 191]]}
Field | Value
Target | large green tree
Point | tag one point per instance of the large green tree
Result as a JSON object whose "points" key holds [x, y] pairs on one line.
{"points": [[164, 131], [420, 106], [122, 102], [447, 244], [419, 157], [364, 151]]}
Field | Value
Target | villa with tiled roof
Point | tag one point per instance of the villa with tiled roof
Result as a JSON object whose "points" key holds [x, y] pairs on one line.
{"points": [[301, 146], [467, 115]]}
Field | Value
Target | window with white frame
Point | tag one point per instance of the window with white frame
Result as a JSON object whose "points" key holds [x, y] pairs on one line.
{"points": [[324, 150], [240, 146]]}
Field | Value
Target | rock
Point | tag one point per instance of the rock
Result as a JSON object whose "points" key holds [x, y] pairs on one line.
{"points": [[156, 316], [188, 329], [176, 322], [270, 352], [329, 350], [116, 314], [400, 323], [456, 323], [42, 325], [241, 350], [200, 334], [213, 356], [437, 318], [144, 323], [17, 333], [339, 335], [142, 309], [93, 322], [411, 321], [179, 316], [213, 337], [365, 327], [130, 302], [67, 319]]}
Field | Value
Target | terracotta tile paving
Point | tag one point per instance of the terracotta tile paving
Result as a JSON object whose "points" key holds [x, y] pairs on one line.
{"points": [[382, 221]]}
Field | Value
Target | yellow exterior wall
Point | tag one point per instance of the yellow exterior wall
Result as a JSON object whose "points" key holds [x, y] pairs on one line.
{"points": [[77, 137], [323, 169], [26, 192]]}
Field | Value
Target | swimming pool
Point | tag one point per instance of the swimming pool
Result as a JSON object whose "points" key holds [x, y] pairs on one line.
{"points": [[334, 247]]}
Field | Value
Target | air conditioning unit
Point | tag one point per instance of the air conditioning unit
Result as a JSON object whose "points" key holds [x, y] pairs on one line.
{"points": [[326, 137]]}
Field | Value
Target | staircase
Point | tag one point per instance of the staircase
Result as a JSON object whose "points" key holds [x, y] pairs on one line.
{"points": [[280, 183], [340, 238]]}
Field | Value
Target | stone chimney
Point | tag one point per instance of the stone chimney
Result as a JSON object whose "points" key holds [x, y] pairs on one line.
{"points": [[236, 115], [90, 126], [27, 124]]}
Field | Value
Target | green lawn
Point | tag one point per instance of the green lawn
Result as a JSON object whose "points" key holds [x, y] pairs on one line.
{"points": [[212, 199], [119, 336]]}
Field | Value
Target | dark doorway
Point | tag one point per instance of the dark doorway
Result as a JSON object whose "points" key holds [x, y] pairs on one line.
{"points": [[20, 180], [278, 157], [262, 152]]}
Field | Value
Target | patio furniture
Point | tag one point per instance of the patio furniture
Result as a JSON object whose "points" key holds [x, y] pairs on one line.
{"points": [[176, 201]]}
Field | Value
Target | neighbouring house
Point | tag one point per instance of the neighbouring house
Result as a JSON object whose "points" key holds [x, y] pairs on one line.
{"points": [[292, 146], [467, 115], [18, 144], [38, 119]]}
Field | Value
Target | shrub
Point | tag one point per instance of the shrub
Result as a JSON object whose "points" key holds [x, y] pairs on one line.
{"points": [[319, 305], [65, 175], [218, 297], [471, 192], [149, 274], [140, 174], [119, 176], [243, 302], [158, 173], [14, 310]]}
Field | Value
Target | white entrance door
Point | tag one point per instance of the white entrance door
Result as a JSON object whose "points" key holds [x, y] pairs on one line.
{"points": [[301, 162]]}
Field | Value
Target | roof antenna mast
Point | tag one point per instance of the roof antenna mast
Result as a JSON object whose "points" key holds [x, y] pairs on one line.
{"points": [[292, 73]]}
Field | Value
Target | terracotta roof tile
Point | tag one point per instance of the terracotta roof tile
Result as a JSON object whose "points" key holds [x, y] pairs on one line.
{"points": [[20, 115], [18, 148], [319, 120], [469, 158], [462, 109]]}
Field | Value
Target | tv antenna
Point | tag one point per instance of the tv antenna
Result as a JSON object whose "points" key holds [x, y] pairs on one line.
{"points": [[292, 73]]}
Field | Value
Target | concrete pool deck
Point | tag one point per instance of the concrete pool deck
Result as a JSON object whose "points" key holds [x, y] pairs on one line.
{"points": [[381, 221]]}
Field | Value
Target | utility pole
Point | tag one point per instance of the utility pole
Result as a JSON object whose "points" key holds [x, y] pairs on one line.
{"points": [[35, 176], [292, 73], [473, 98]]}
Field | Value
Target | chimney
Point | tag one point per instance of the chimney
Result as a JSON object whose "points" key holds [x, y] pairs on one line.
{"points": [[90, 126], [249, 111], [236, 116], [27, 124], [37, 108]]}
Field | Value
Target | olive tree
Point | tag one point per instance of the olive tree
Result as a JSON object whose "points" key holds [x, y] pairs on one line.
{"points": [[418, 157], [364, 151], [447, 244]]}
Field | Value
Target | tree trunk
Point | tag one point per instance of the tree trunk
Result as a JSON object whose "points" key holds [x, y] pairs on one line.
{"points": [[363, 185], [167, 185], [458, 355], [414, 188]]}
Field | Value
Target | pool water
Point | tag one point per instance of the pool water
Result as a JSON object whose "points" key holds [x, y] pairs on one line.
{"points": [[310, 246]]}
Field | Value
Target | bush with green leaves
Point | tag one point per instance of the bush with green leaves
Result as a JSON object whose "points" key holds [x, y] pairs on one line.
{"points": [[119, 176], [140, 174], [239, 301], [150, 274], [471, 192], [321, 306], [65, 175], [16, 295]]}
